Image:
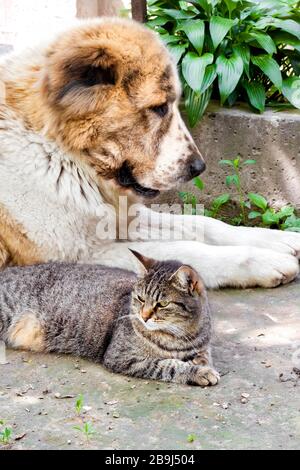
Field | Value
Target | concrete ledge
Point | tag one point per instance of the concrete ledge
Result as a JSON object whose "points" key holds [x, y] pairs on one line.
{"points": [[272, 139]]}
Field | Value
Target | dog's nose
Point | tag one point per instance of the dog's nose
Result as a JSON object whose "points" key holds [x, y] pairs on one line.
{"points": [[197, 167]]}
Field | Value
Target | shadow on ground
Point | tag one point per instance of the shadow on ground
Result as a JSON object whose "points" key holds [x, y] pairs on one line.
{"points": [[256, 405]]}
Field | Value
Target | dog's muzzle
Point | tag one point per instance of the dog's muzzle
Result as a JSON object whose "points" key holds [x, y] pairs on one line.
{"points": [[126, 179]]}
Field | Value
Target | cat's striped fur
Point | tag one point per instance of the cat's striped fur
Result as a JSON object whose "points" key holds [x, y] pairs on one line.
{"points": [[157, 326]]}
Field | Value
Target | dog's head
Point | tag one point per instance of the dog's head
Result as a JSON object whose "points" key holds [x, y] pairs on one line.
{"points": [[113, 94]]}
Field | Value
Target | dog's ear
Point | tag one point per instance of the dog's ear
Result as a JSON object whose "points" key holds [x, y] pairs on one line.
{"points": [[187, 279], [78, 78], [144, 262]]}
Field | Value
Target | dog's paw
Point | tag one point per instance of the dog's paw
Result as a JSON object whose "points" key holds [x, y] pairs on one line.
{"points": [[205, 376], [276, 240], [268, 268]]}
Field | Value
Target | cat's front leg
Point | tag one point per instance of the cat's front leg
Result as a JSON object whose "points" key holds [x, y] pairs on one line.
{"points": [[175, 370]]}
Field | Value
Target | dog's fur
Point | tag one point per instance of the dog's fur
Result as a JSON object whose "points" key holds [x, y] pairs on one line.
{"points": [[93, 116]]}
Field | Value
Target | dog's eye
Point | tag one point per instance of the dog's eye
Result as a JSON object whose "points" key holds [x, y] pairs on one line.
{"points": [[161, 110]]}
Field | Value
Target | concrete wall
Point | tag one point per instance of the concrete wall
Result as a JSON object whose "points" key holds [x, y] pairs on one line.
{"points": [[272, 139], [25, 22]]}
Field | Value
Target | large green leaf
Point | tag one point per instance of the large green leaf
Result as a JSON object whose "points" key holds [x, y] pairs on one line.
{"points": [[290, 26], [177, 51], [291, 90], [218, 28], [229, 72], [256, 94], [265, 41], [243, 50], [209, 77], [195, 31], [178, 14], [196, 104], [270, 68], [193, 68]]}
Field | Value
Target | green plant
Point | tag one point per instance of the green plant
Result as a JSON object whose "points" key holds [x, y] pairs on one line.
{"points": [[235, 179], [232, 50], [5, 434], [191, 438], [79, 404], [86, 429], [253, 208]]}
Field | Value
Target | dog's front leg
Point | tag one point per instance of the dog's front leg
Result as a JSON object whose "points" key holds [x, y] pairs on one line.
{"points": [[235, 266], [215, 232]]}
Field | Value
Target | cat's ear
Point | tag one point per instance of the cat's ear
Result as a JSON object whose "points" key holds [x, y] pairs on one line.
{"points": [[187, 278], [145, 263]]}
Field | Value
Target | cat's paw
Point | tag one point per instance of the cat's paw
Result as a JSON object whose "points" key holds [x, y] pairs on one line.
{"points": [[205, 376]]}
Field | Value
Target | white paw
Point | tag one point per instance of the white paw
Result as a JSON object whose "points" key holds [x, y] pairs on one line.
{"points": [[206, 376], [277, 240], [268, 268]]}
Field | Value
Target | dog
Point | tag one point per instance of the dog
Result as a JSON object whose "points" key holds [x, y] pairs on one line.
{"points": [[93, 116]]}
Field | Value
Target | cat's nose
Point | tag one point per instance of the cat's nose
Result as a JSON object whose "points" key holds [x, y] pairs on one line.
{"points": [[146, 313]]}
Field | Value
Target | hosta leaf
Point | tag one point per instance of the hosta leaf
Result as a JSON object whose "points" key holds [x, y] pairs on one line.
{"points": [[196, 104], [243, 50], [195, 31], [209, 77], [229, 72], [290, 26], [265, 41], [178, 14], [193, 69], [177, 51], [168, 38], [291, 90], [270, 68], [159, 21], [218, 28], [258, 201], [256, 94]]}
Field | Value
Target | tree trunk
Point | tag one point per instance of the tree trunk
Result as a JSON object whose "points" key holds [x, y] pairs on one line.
{"points": [[90, 8], [139, 10]]}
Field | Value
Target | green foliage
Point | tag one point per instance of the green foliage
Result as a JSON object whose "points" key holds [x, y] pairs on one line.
{"points": [[86, 429], [79, 404], [253, 208], [5, 433], [246, 50], [191, 438]]}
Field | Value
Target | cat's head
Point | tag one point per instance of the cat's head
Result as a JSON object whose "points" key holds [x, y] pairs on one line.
{"points": [[169, 297]]}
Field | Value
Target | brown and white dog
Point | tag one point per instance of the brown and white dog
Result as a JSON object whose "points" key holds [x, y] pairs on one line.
{"points": [[90, 117]]}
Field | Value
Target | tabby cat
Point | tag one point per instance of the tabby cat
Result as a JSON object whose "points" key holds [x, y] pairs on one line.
{"points": [[156, 326]]}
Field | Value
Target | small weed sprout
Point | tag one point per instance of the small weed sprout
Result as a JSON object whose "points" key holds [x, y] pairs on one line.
{"points": [[86, 429], [79, 404], [5, 434]]}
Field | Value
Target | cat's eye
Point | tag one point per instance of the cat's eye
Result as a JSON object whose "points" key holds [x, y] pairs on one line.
{"points": [[140, 299], [162, 304]]}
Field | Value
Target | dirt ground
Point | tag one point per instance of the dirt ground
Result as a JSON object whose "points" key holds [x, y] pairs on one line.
{"points": [[255, 406]]}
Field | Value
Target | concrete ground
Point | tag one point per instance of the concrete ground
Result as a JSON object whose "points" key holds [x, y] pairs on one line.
{"points": [[256, 405]]}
